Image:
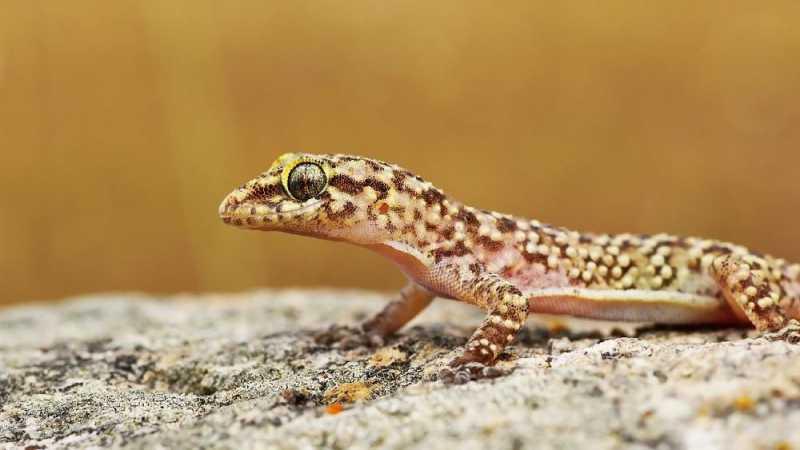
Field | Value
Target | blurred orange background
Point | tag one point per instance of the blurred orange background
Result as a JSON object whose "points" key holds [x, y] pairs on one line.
{"points": [[123, 124]]}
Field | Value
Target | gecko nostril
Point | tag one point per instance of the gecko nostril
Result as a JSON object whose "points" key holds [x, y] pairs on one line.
{"points": [[228, 205]]}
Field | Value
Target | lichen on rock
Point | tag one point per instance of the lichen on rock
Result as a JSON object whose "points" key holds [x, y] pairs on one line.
{"points": [[267, 370]]}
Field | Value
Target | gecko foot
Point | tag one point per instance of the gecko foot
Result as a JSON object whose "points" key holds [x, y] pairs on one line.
{"points": [[348, 338], [790, 333], [471, 371]]}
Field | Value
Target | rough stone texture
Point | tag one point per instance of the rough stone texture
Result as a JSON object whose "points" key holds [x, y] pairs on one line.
{"points": [[260, 370]]}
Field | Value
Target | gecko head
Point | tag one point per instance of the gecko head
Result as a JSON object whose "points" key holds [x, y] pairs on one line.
{"points": [[336, 197]]}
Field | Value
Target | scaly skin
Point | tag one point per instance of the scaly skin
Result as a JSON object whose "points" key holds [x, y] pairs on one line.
{"points": [[509, 266]]}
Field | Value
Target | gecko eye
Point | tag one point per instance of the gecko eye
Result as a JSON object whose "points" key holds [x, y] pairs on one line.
{"points": [[306, 180]]}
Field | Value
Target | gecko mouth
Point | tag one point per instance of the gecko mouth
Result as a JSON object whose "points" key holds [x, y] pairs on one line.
{"points": [[253, 215]]}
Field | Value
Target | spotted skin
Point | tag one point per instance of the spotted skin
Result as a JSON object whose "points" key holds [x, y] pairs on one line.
{"points": [[510, 266]]}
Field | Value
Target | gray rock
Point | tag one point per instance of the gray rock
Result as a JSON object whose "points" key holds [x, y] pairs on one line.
{"points": [[266, 370]]}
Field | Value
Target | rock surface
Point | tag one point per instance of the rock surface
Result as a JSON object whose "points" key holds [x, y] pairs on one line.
{"points": [[264, 370]]}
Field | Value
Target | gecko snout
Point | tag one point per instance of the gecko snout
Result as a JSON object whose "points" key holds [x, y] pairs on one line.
{"points": [[231, 204], [239, 208]]}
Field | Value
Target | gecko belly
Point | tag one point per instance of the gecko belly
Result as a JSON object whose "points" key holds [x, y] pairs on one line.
{"points": [[666, 307]]}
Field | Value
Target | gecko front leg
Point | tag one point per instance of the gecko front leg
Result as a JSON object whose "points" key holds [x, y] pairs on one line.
{"points": [[413, 299], [373, 332], [507, 308]]}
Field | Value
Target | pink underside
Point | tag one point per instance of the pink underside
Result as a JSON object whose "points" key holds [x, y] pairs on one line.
{"points": [[632, 311], [534, 277]]}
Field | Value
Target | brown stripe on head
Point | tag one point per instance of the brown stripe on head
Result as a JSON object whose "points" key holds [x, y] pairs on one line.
{"points": [[379, 186], [398, 179], [467, 217], [348, 210], [267, 192], [505, 225], [349, 185], [346, 184], [432, 196]]}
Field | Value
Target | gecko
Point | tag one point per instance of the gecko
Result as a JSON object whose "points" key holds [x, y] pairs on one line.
{"points": [[509, 266]]}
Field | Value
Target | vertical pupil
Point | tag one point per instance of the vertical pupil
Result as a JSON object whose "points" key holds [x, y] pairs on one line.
{"points": [[306, 181]]}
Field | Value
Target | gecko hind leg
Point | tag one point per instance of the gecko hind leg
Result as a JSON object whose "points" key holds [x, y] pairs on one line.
{"points": [[750, 289]]}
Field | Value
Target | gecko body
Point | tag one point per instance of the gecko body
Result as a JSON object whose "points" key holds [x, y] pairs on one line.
{"points": [[509, 266]]}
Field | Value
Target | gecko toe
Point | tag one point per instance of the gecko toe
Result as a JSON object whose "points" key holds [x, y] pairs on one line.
{"points": [[790, 333], [348, 338], [471, 371]]}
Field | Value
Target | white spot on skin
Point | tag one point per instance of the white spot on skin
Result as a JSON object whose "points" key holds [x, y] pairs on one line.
{"points": [[656, 282], [419, 230], [370, 195], [741, 299], [627, 281], [624, 261], [608, 260]]}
